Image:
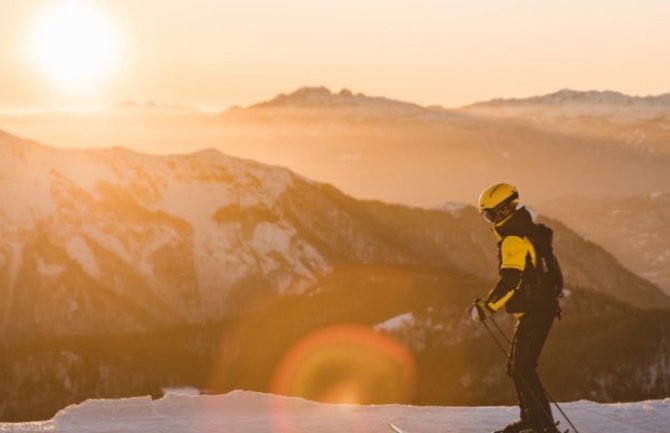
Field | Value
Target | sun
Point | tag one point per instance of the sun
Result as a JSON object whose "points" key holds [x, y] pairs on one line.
{"points": [[75, 44]]}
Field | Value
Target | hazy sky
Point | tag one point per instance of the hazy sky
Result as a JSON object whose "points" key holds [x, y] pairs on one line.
{"points": [[216, 53]]}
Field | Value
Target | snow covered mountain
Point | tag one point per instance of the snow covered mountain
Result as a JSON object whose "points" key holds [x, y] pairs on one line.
{"points": [[570, 103], [567, 97], [636, 122], [248, 412], [109, 241]]}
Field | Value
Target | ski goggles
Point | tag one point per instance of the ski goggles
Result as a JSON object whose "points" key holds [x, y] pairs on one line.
{"points": [[490, 215], [498, 213], [494, 216]]}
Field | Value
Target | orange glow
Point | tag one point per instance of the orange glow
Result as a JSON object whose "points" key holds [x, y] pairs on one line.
{"points": [[221, 53], [75, 44], [347, 364]]}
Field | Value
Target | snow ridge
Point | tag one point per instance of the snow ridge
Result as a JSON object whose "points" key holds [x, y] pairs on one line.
{"points": [[591, 97], [571, 104]]}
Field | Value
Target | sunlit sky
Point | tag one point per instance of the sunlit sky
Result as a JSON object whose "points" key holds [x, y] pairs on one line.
{"points": [[217, 53]]}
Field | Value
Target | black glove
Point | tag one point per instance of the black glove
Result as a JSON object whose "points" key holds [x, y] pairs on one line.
{"points": [[480, 310]]}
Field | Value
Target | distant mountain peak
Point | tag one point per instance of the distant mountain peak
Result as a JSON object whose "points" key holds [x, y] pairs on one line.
{"points": [[304, 96], [452, 207], [322, 97], [130, 104], [578, 97], [554, 109]]}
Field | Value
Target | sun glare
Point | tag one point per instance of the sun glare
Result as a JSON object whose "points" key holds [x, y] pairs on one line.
{"points": [[347, 364], [75, 44]]}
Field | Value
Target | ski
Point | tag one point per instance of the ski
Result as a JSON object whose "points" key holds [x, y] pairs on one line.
{"points": [[396, 429], [531, 430]]}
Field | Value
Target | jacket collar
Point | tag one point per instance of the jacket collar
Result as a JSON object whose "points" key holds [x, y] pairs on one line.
{"points": [[517, 223]]}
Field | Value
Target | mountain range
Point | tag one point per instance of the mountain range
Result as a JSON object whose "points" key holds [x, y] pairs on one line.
{"points": [[100, 240], [112, 259], [597, 101], [632, 122], [359, 143]]}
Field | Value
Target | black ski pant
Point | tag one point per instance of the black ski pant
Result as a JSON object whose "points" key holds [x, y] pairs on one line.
{"points": [[529, 337]]}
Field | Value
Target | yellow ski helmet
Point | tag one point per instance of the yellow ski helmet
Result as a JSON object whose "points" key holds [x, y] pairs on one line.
{"points": [[496, 198]]}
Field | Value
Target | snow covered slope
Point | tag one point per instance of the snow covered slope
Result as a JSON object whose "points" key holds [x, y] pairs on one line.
{"points": [[119, 241], [248, 412]]}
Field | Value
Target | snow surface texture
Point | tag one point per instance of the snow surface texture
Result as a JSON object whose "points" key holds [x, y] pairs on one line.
{"points": [[249, 412]]}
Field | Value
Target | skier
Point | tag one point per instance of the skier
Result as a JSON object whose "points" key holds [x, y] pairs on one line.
{"points": [[520, 290]]}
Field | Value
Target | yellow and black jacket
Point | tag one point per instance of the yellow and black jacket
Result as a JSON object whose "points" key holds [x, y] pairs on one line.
{"points": [[518, 285]]}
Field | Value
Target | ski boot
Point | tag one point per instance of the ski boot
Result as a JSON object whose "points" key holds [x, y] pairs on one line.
{"points": [[554, 429], [518, 426]]}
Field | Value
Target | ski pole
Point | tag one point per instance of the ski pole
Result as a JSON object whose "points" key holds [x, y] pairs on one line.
{"points": [[525, 383], [551, 398]]}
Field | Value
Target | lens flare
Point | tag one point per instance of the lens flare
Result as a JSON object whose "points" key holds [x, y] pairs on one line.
{"points": [[348, 364]]}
